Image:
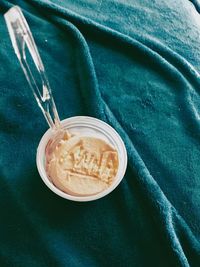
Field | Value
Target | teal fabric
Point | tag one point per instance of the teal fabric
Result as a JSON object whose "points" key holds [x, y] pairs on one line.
{"points": [[134, 64]]}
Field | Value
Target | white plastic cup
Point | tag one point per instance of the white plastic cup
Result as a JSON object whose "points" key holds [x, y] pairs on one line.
{"points": [[86, 126]]}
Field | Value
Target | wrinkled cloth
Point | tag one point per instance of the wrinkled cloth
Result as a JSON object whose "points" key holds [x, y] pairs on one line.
{"points": [[135, 65]]}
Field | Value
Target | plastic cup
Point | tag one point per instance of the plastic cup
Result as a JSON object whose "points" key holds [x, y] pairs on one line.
{"points": [[85, 126]]}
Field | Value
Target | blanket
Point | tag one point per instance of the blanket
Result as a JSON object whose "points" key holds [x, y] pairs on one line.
{"points": [[135, 65]]}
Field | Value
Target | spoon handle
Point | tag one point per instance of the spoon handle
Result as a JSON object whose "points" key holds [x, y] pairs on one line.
{"points": [[23, 42]]}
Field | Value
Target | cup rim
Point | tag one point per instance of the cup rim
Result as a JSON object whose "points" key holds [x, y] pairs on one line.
{"points": [[40, 160]]}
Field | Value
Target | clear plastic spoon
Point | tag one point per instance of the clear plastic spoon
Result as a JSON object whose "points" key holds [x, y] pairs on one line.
{"points": [[24, 47], [21, 37]]}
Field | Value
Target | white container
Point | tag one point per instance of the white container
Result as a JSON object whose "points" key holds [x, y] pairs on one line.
{"points": [[86, 126]]}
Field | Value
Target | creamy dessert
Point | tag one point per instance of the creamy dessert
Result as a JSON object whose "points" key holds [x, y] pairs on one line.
{"points": [[81, 165]]}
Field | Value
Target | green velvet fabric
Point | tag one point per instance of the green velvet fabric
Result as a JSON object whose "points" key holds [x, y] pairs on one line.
{"points": [[134, 64]]}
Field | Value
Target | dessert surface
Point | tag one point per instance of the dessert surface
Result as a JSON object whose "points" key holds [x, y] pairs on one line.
{"points": [[82, 165]]}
